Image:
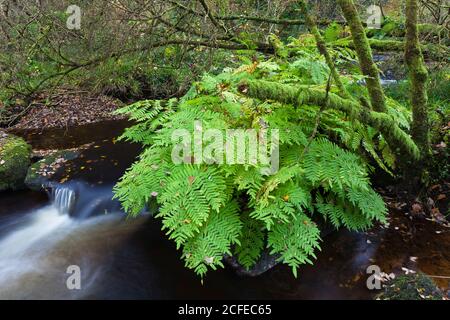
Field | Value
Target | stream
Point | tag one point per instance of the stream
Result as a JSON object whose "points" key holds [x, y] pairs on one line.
{"points": [[77, 223]]}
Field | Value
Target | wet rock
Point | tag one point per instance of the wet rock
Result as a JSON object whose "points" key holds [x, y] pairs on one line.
{"points": [[416, 286], [14, 161], [40, 174], [267, 261]]}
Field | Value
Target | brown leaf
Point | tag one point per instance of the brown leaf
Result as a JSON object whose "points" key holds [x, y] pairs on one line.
{"points": [[416, 208], [442, 145], [191, 179]]}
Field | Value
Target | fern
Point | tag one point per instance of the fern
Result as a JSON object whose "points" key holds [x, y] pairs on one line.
{"points": [[329, 166], [341, 214], [213, 209], [190, 195], [251, 242], [207, 248], [295, 241], [149, 115]]}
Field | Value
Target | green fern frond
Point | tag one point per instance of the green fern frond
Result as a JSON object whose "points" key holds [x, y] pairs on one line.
{"points": [[190, 195], [295, 241], [340, 213], [251, 242], [329, 166], [219, 233]]}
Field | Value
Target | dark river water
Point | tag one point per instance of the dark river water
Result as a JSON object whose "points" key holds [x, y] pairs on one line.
{"points": [[122, 258]]}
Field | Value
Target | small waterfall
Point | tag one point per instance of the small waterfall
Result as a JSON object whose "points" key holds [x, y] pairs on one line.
{"points": [[63, 199]]}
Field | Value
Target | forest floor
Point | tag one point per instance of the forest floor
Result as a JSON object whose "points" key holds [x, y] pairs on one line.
{"points": [[63, 108]]}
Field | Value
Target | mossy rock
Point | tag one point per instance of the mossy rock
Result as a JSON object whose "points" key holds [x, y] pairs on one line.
{"points": [[40, 173], [14, 161], [411, 287]]}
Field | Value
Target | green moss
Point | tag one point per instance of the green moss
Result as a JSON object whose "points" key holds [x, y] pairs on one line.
{"points": [[432, 51], [322, 47], [411, 287], [364, 52], [286, 94], [418, 76], [14, 161]]}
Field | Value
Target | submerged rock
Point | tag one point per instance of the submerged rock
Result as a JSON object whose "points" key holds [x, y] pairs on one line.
{"points": [[14, 161], [40, 174]]}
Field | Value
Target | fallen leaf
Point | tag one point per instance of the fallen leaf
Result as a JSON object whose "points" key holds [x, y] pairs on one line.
{"points": [[442, 145], [209, 260], [416, 208], [408, 271]]}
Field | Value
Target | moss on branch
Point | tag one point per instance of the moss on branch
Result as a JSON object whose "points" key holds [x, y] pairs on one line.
{"points": [[432, 51], [418, 75], [364, 52], [298, 96], [322, 47]]}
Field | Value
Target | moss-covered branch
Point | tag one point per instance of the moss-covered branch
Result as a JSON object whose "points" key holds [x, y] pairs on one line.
{"points": [[364, 52], [418, 75], [429, 50], [322, 47], [424, 29], [298, 96]]}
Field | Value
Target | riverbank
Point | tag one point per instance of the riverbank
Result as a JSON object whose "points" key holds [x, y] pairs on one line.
{"points": [[60, 109]]}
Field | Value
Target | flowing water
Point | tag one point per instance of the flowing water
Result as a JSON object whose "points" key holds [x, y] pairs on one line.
{"points": [[77, 224]]}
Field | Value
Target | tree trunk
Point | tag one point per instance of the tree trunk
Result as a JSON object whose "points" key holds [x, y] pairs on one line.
{"points": [[364, 52], [418, 76]]}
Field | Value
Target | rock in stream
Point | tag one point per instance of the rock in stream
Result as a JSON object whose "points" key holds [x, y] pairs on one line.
{"points": [[15, 156]]}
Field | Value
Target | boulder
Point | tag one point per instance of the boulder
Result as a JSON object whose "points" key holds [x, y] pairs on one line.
{"points": [[40, 173], [15, 156]]}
